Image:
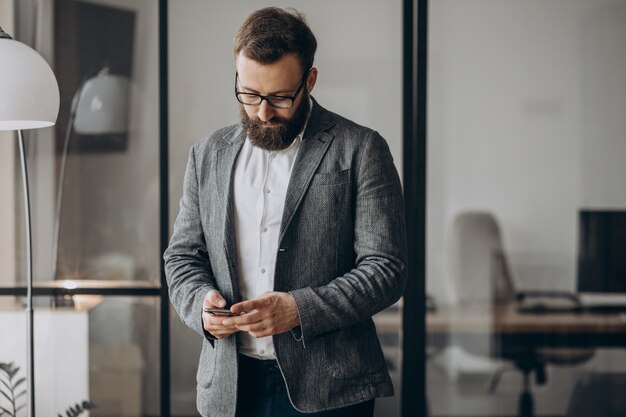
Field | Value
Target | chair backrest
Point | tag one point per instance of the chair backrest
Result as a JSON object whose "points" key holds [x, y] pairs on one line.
{"points": [[478, 264]]}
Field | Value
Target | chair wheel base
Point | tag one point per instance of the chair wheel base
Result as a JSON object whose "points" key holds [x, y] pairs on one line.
{"points": [[526, 405]]}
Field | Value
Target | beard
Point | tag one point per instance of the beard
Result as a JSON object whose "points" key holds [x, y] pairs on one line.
{"points": [[278, 133]]}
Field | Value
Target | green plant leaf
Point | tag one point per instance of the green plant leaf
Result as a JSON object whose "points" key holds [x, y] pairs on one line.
{"points": [[88, 405], [5, 366], [6, 396], [5, 376], [77, 409], [10, 369], [6, 392], [19, 382]]}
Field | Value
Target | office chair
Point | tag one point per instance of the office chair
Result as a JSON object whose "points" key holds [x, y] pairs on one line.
{"points": [[482, 276]]}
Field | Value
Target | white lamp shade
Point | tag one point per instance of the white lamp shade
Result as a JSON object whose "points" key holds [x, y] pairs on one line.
{"points": [[102, 106], [29, 93]]}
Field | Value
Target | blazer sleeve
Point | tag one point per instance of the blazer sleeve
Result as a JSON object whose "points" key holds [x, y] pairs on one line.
{"points": [[187, 264], [380, 272]]}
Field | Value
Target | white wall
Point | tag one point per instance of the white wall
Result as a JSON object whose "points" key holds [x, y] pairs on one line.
{"points": [[40, 148], [359, 59]]}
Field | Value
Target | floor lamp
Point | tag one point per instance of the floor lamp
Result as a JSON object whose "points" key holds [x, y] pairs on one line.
{"points": [[29, 99]]}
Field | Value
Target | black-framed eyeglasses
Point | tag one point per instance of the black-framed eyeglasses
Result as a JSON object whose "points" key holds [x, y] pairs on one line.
{"points": [[279, 102]]}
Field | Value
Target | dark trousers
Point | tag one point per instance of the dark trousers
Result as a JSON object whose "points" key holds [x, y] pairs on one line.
{"points": [[262, 393]]}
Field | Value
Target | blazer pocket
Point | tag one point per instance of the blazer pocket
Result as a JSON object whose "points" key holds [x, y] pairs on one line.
{"points": [[331, 178], [355, 352], [206, 366]]}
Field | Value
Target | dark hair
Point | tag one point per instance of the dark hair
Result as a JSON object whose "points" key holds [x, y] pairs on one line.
{"points": [[270, 33]]}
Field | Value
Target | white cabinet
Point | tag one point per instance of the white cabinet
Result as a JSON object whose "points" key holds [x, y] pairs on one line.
{"points": [[61, 355]]}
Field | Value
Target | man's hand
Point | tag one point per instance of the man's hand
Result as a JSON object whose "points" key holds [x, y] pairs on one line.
{"points": [[213, 324], [269, 314]]}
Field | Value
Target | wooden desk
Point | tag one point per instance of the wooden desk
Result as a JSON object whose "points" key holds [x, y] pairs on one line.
{"points": [[537, 330]]}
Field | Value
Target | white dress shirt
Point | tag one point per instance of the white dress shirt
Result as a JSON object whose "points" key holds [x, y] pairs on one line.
{"points": [[259, 189]]}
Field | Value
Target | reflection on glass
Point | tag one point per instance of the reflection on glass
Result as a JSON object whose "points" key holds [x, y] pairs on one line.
{"points": [[105, 350], [95, 176], [124, 356], [523, 145]]}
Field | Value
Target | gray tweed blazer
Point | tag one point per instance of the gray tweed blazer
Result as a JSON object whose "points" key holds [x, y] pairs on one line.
{"points": [[342, 255]]}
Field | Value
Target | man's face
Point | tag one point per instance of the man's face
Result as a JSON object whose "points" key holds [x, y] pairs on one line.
{"points": [[269, 127]]}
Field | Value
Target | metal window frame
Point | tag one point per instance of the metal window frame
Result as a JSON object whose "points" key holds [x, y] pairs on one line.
{"points": [[415, 57]]}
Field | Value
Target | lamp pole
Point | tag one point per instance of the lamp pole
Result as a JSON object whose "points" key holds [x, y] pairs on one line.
{"points": [[30, 348]]}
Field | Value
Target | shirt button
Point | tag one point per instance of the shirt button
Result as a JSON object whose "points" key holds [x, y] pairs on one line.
{"points": [[262, 351], [264, 229], [267, 191], [262, 270]]}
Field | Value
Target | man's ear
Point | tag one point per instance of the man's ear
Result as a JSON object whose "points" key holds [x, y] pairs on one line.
{"points": [[310, 83]]}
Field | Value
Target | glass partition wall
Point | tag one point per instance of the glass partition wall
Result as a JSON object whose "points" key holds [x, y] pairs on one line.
{"points": [[526, 208], [97, 208]]}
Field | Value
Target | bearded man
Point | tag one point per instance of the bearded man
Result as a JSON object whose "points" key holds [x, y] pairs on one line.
{"points": [[291, 223]]}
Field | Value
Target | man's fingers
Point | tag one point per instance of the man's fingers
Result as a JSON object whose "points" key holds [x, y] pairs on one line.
{"points": [[214, 320], [221, 335], [216, 299], [253, 328], [218, 330], [244, 306], [244, 319], [212, 323]]}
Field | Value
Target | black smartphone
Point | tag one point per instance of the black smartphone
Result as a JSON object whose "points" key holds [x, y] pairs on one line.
{"points": [[220, 312]]}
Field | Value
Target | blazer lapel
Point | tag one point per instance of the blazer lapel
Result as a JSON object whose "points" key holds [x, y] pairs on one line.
{"points": [[314, 145], [224, 166]]}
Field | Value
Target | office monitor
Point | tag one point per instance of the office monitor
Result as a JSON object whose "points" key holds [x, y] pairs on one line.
{"points": [[602, 252]]}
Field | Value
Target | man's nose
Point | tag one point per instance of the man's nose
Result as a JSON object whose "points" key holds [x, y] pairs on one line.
{"points": [[265, 112]]}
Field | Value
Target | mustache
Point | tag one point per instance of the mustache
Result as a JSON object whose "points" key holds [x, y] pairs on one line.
{"points": [[274, 122]]}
